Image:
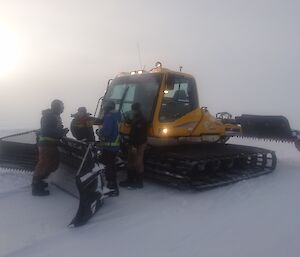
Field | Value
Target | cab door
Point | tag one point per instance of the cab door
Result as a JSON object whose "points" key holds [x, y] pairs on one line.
{"points": [[177, 112]]}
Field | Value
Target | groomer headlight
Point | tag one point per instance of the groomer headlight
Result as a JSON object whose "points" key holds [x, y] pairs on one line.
{"points": [[132, 73], [140, 72], [165, 131]]}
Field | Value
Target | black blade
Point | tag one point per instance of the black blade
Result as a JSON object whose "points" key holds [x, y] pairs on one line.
{"points": [[81, 160], [90, 199]]}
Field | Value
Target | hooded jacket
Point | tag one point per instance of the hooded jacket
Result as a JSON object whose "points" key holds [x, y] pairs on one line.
{"points": [[51, 127], [138, 132]]}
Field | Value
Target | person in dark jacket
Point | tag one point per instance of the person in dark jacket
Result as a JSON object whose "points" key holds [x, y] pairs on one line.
{"points": [[137, 145], [82, 125], [110, 144], [50, 134]]}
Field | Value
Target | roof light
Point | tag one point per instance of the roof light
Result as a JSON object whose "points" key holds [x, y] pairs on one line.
{"points": [[158, 65], [166, 92], [132, 73], [122, 74]]}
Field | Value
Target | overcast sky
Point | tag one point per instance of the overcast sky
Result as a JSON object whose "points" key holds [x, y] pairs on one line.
{"points": [[244, 54]]}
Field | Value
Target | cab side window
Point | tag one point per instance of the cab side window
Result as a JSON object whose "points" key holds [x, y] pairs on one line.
{"points": [[180, 98]]}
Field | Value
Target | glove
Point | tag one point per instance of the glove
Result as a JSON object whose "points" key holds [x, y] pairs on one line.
{"points": [[134, 150], [65, 131], [99, 132]]}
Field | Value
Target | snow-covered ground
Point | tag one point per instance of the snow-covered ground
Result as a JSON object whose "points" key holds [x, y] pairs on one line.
{"points": [[258, 217]]}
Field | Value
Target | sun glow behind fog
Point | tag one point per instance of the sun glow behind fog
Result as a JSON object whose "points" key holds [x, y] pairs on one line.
{"points": [[9, 55]]}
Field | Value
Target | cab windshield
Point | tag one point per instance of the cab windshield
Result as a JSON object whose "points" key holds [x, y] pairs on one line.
{"points": [[125, 91]]}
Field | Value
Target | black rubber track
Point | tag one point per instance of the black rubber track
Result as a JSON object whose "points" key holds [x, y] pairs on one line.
{"points": [[199, 166], [206, 166]]}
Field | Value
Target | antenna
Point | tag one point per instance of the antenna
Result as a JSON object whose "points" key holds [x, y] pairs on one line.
{"points": [[139, 54]]}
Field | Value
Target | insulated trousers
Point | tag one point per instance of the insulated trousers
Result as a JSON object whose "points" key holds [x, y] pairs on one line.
{"points": [[136, 158], [109, 158], [48, 161]]}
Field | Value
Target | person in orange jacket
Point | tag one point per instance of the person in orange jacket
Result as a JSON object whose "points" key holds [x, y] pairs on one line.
{"points": [[82, 125]]}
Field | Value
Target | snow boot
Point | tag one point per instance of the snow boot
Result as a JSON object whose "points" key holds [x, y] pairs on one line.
{"points": [[114, 189], [297, 144], [130, 181], [44, 184], [139, 182], [38, 188]]}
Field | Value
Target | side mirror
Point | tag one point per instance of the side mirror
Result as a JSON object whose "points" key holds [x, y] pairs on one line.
{"points": [[108, 83], [98, 103]]}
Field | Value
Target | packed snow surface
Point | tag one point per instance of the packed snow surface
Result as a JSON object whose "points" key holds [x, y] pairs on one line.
{"points": [[257, 217]]}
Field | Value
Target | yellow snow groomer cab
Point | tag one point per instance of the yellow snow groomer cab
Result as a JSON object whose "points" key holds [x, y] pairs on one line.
{"points": [[169, 100]]}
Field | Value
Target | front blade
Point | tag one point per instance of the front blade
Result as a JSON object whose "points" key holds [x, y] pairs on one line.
{"points": [[90, 200], [81, 163]]}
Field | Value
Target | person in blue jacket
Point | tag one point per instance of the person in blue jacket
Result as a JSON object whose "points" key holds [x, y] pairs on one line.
{"points": [[110, 144]]}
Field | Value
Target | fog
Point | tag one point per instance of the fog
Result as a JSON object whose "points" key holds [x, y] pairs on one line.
{"points": [[243, 54]]}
